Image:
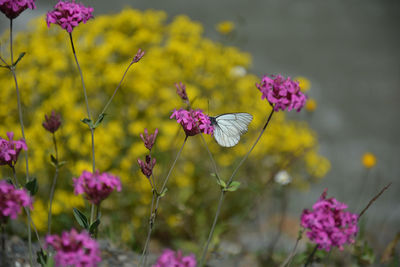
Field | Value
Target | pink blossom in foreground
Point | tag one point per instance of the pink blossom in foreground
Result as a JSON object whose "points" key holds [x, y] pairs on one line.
{"points": [[9, 149], [149, 139], [328, 224], [69, 14], [193, 121], [12, 200], [282, 93], [52, 122], [97, 186], [74, 249], [147, 166], [169, 258], [12, 8]]}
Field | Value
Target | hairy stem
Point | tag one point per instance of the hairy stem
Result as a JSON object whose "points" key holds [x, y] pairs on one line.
{"points": [[53, 186]]}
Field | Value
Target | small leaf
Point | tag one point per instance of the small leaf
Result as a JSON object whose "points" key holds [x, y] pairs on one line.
{"points": [[221, 183], [41, 257], [93, 227], [19, 58], [61, 163], [53, 160], [88, 122], [233, 186], [99, 120], [32, 186], [81, 218], [163, 192]]}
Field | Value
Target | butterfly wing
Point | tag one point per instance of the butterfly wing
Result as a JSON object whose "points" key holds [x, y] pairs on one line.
{"points": [[229, 127]]}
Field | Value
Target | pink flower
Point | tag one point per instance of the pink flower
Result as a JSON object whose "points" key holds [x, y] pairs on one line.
{"points": [[12, 8], [9, 150], [181, 91], [169, 258], [97, 186], [69, 14], [149, 140], [147, 167], [53, 122], [138, 56], [282, 93], [74, 249], [328, 224], [193, 121], [11, 201]]}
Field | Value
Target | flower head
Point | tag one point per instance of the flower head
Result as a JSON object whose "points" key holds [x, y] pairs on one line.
{"points": [[149, 140], [282, 93], [193, 121], [9, 149], [282, 178], [328, 224], [225, 27], [181, 91], [170, 258], [11, 201], [96, 186], [138, 56], [147, 166], [12, 8], [74, 249], [368, 160], [52, 122], [69, 14]]}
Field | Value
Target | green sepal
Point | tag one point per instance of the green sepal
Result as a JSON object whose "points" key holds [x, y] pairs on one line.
{"points": [[81, 219], [32, 186], [233, 186]]}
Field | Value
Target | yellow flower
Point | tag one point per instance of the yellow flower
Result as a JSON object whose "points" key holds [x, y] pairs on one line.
{"points": [[304, 83], [368, 160], [225, 27], [311, 105]]}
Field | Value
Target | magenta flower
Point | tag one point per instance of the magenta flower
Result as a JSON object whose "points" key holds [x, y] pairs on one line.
{"points": [[97, 186], [169, 258], [138, 56], [9, 150], [328, 224], [193, 121], [53, 122], [12, 8], [12, 200], [282, 93], [74, 249], [147, 167], [149, 140], [69, 14], [181, 91]]}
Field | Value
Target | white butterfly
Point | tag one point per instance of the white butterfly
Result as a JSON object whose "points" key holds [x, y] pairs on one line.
{"points": [[229, 127]]}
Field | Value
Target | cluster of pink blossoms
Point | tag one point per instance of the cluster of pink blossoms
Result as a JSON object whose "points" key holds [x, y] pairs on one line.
{"points": [[9, 149], [69, 14], [52, 122], [12, 200], [193, 121], [282, 93], [12, 8], [169, 258], [97, 186], [74, 249], [328, 224]]}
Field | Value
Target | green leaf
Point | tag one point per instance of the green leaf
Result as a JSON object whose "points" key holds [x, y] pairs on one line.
{"points": [[61, 163], [163, 192], [32, 186], [93, 227], [221, 183], [50, 261], [233, 186], [41, 257], [19, 58], [99, 120], [53, 161], [88, 122], [81, 218]]}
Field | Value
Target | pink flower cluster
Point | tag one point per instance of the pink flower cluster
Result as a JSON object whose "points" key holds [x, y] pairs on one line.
{"points": [[149, 139], [328, 224], [11, 201], [12, 8], [97, 186], [193, 121], [282, 93], [169, 258], [69, 14], [147, 166], [74, 249], [9, 149]]}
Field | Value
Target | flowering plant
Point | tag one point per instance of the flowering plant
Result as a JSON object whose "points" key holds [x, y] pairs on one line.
{"points": [[171, 258], [9, 149], [52, 122], [193, 121], [11, 201], [74, 249], [328, 224], [12, 8]]}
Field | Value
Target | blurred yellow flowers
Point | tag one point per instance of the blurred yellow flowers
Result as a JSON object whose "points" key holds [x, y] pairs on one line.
{"points": [[304, 83], [225, 27], [311, 104], [368, 160]]}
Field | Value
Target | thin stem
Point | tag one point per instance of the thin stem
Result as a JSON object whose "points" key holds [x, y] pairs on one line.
{"points": [[97, 208], [53, 186], [311, 257], [11, 42], [3, 243], [229, 182], [154, 213], [211, 158], [289, 259], [373, 200]]}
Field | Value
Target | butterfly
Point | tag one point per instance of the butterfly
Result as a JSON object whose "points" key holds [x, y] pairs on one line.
{"points": [[229, 127]]}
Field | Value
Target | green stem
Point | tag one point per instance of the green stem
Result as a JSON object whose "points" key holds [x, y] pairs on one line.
{"points": [[310, 258], [53, 186], [221, 199]]}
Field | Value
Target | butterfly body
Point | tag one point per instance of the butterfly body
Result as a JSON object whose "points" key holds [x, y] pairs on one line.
{"points": [[229, 127]]}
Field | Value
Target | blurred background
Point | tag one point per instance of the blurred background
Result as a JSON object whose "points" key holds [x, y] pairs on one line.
{"points": [[347, 53]]}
